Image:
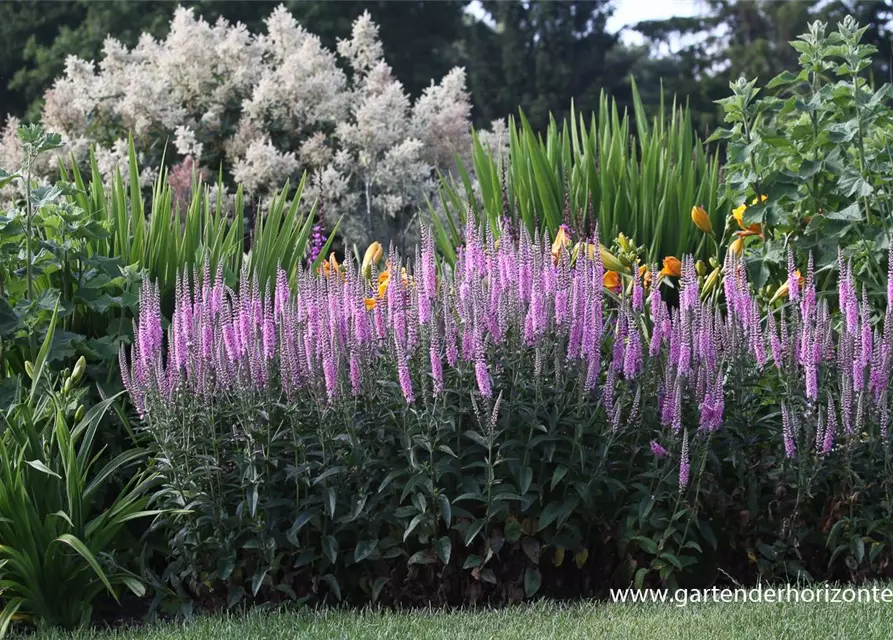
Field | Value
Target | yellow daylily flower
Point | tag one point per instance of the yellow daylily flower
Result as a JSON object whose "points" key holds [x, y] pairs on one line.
{"points": [[561, 240]]}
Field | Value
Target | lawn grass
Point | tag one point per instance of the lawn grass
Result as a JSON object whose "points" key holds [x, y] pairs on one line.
{"points": [[716, 621]]}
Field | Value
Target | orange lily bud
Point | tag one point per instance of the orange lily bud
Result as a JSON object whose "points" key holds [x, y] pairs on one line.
{"points": [[737, 247], [701, 219]]}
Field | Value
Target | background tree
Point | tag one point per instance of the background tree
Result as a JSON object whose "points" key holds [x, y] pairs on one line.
{"points": [[539, 55], [420, 37]]}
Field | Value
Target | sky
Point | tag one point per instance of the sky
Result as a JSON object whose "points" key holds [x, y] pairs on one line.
{"points": [[629, 12]]}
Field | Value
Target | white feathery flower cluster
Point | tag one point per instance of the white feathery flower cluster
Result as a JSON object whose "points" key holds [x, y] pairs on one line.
{"points": [[268, 107]]}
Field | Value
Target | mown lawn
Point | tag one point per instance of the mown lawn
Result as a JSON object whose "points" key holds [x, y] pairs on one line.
{"points": [[716, 621]]}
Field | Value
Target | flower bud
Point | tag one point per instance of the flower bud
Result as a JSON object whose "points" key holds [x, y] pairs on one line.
{"points": [[79, 414], [701, 219], [79, 369], [372, 256], [737, 247], [610, 261], [29, 369], [712, 281], [66, 386], [701, 268]]}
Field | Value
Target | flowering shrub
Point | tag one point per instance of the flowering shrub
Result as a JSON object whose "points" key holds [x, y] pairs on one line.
{"points": [[511, 426], [266, 107]]}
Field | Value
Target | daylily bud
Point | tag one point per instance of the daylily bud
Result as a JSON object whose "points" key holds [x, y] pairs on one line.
{"points": [[372, 256], [737, 247], [29, 369], [79, 369], [623, 242], [782, 292], [609, 260], [701, 219], [701, 268], [79, 414], [711, 282], [66, 386]]}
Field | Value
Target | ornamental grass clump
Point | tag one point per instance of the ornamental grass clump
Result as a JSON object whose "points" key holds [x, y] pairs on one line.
{"points": [[416, 433]]}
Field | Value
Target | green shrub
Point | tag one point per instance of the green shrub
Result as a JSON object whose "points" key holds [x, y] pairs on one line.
{"points": [[819, 148], [93, 245], [509, 428], [60, 544]]}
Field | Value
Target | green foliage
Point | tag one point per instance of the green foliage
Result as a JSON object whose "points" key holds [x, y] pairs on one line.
{"points": [[579, 174], [59, 526], [819, 149], [88, 248]]}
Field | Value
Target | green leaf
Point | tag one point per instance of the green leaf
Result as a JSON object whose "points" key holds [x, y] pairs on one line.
{"points": [[446, 511], [531, 547], [40, 466], [525, 480], [513, 531], [330, 548], [87, 555], [532, 581], [257, 580], [474, 528], [444, 548], [422, 557], [9, 611], [646, 544], [380, 582], [334, 587], [364, 548], [558, 475], [852, 213]]}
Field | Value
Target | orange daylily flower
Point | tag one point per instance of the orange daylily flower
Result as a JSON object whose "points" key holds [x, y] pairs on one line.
{"points": [[611, 280], [672, 267], [645, 274], [370, 303], [737, 247]]}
